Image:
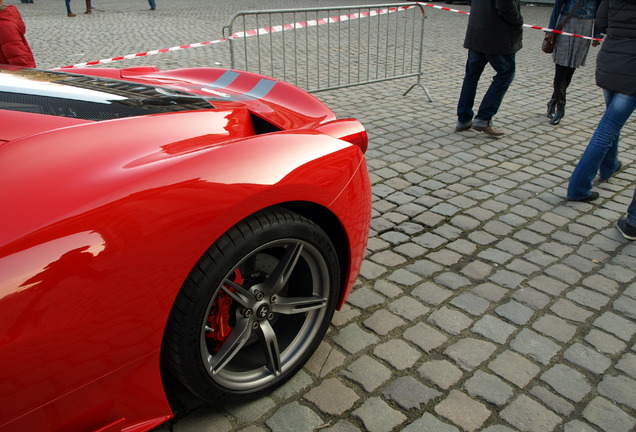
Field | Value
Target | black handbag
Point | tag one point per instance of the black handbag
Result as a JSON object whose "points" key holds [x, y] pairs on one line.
{"points": [[547, 46]]}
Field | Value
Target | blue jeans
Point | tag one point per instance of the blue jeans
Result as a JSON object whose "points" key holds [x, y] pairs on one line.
{"points": [[152, 4], [601, 154], [68, 6], [504, 65]]}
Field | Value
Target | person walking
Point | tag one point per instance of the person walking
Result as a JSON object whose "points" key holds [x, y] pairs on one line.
{"points": [[14, 48], [572, 16], [69, 13], [493, 36], [616, 75]]}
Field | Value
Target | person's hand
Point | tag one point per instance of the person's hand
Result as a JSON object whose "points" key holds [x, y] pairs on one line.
{"points": [[596, 43]]}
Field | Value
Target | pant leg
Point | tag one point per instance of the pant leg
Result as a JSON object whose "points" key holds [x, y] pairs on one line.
{"points": [[504, 66], [475, 65], [68, 6], [602, 150], [152, 4]]}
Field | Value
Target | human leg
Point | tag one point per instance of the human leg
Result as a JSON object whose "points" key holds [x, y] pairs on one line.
{"points": [[475, 65], [504, 66], [602, 150], [152, 4], [562, 79], [88, 7]]}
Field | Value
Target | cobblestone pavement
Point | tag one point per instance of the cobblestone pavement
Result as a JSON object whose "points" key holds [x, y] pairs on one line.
{"points": [[487, 302]]}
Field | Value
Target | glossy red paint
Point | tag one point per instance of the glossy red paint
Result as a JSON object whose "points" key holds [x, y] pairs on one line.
{"points": [[102, 222]]}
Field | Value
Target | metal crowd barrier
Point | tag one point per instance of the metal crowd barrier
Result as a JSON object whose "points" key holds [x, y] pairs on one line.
{"points": [[328, 48]]}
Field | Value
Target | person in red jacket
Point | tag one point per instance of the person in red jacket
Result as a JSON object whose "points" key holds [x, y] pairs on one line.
{"points": [[14, 48]]}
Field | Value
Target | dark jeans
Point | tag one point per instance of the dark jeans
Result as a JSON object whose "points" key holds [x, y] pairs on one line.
{"points": [[601, 153], [504, 65]]}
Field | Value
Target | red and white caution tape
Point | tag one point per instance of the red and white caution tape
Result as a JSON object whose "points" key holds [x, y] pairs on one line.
{"points": [[249, 33], [300, 25], [545, 29]]}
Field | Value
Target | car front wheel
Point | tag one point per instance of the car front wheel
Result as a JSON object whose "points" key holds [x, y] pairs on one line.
{"points": [[254, 308]]}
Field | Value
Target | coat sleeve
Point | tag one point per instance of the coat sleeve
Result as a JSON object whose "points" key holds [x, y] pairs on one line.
{"points": [[556, 12], [601, 16], [13, 46], [509, 11]]}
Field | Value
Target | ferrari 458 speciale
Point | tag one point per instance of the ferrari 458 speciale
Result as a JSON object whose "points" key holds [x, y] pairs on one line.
{"points": [[199, 224]]}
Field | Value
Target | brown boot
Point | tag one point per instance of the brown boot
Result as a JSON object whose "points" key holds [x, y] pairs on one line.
{"points": [[88, 7]]}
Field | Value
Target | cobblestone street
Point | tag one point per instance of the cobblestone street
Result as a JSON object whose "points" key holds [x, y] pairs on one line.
{"points": [[487, 302]]}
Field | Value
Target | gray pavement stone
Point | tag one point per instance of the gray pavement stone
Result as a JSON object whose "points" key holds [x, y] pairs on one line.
{"points": [[425, 337], [627, 364], [619, 389], [378, 416], [470, 303], [408, 308], [515, 312], [568, 310], [367, 372], [514, 368], [493, 328], [353, 339], [527, 415], [616, 325], [604, 342], [332, 397], [489, 388], [440, 372], [449, 320], [428, 422], [409, 393], [555, 327], [608, 417], [577, 426], [382, 322], [531, 298], [535, 346], [588, 298], [431, 293], [397, 353], [625, 306], [469, 353], [555, 402], [463, 411], [568, 382], [294, 417], [587, 358], [204, 420], [341, 426], [251, 411]]}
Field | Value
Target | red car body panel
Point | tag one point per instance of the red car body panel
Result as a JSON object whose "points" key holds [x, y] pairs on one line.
{"points": [[103, 221]]}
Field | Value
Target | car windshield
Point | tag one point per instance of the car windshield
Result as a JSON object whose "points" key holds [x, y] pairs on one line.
{"points": [[88, 98]]}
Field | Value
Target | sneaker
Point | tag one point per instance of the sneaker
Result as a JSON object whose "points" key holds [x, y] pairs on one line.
{"points": [[628, 231], [591, 197], [461, 127], [489, 130]]}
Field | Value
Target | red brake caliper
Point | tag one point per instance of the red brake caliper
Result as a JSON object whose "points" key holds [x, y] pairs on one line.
{"points": [[219, 318]]}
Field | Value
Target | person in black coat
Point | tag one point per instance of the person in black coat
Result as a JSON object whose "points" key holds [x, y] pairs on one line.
{"points": [[616, 75], [493, 36]]}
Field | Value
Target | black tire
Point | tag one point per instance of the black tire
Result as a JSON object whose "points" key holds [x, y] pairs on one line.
{"points": [[255, 307]]}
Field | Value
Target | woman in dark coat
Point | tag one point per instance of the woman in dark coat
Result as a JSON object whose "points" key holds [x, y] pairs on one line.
{"points": [[569, 52], [616, 75], [14, 48]]}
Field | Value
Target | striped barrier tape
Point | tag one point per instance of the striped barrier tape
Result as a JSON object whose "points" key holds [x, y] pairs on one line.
{"points": [[299, 25]]}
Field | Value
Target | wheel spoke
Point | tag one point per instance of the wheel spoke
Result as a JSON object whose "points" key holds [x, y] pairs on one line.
{"points": [[295, 305], [232, 345], [284, 269], [240, 294], [270, 347]]}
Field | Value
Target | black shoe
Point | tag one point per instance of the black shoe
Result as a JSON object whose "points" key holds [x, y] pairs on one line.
{"points": [[628, 231], [620, 165], [558, 115], [591, 197], [551, 108]]}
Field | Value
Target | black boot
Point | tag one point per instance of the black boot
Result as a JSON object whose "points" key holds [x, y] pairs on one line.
{"points": [[558, 115], [551, 108]]}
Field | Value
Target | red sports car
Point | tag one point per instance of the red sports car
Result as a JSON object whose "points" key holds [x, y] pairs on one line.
{"points": [[201, 224]]}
